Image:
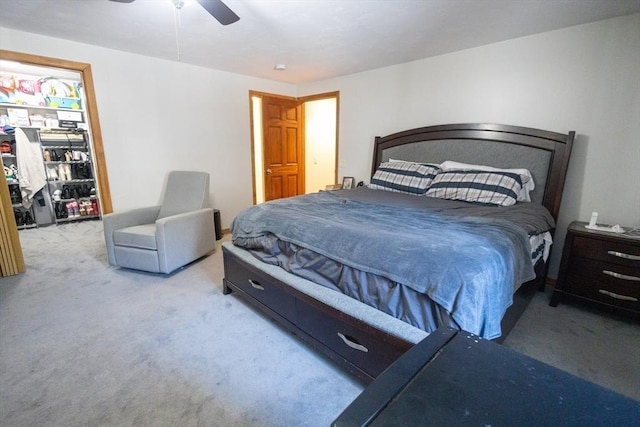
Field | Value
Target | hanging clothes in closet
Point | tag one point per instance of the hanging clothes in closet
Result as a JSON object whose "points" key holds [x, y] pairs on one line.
{"points": [[30, 171]]}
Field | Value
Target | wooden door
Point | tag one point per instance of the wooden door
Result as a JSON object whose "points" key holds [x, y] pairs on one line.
{"points": [[283, 147], [11, 257]]}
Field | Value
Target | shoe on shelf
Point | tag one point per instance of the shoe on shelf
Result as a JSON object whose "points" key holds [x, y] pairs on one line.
{"points": [[16, 195], [62, 175], [72, 208], [52, 173], [69, 209], [94, 205], [28, 219], [63, 211], [19, 218]]}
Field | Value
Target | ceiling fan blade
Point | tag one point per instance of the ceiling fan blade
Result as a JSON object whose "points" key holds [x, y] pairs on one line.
{"points": [[220, 11], [123, 1]]}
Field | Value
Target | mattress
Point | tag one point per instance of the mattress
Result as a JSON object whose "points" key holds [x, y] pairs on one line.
{"points": [[383, 293]]}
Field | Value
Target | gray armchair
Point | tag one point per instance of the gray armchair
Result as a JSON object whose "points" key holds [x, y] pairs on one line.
{"points": [[161, 239]]}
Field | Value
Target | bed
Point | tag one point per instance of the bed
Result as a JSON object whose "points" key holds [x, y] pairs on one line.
{"points": [[454, 229]]}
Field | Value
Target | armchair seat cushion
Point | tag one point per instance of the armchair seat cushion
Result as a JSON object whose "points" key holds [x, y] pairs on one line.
{"points": [[138, 236]]}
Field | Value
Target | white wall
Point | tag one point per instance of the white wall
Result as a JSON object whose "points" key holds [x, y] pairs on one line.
{"points": [[584, 78], [258, 156], [159, 115], [320, 144]]}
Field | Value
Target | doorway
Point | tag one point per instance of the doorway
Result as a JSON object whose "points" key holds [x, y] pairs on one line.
{"points": [[297, 135], [84, 70]]}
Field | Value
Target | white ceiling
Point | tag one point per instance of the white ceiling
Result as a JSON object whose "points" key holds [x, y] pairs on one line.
{"points": [[316, 39]]}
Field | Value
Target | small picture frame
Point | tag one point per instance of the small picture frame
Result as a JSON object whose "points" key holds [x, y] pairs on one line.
{"points": [[348, 182]]}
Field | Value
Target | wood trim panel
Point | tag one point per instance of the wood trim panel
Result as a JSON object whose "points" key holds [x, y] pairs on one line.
{"points": [[11, 257]]}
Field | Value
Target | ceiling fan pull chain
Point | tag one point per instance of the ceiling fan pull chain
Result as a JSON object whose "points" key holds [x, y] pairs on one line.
{"points": [[176, 21]]}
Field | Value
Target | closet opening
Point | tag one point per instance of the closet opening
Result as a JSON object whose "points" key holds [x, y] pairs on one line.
{"points": [[39, 105], [54, 168]]}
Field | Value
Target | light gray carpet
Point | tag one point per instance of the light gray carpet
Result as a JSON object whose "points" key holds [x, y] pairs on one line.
{"points": [[85, 344]]}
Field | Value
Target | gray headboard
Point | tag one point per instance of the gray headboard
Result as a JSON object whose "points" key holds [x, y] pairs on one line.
{"points": [[545, 154]]}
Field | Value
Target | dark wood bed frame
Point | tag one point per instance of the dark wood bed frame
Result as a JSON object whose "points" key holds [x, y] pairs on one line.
{"points": [[362, 349]]}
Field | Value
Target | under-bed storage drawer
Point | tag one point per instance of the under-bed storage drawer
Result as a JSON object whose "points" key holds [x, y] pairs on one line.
{"points": [[259, 286], [363, 350], [350, 338]]}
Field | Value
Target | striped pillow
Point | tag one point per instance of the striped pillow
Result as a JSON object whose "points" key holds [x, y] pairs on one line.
{"points": [[493, 188], [404, 177], [527, 180]]}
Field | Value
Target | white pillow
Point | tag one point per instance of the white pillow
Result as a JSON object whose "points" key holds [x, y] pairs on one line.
{"points": [[527, 180]]}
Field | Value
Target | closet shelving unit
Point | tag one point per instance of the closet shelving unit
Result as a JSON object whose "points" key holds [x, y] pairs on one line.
{"points": [[77, 198], [25, 218], [70, 174]]}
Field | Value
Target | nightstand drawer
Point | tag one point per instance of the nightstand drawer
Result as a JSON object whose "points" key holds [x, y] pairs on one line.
{"points": [[600, 267], [605, 250], [604, 282]]}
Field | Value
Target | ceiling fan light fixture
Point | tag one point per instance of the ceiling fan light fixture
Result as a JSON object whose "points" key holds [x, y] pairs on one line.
{"points": [[280, 67]]}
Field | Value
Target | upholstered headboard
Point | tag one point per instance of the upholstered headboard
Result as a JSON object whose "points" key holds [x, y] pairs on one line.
{"points": [[545, 154]]}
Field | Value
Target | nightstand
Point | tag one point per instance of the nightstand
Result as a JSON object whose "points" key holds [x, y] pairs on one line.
{"points": [[602, 268]]}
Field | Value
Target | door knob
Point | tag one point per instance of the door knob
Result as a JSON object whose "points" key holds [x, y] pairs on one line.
{"points": [[268, 171]]}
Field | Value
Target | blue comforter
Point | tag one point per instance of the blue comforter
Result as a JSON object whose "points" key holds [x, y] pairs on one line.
{"points": [[469, 265]]}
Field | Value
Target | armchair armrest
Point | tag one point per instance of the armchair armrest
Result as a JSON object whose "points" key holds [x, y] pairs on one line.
{"points": [[116, 221], [184, 237]]}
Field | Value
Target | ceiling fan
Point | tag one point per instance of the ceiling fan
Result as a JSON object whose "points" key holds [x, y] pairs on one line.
{"points": [[216, 8]]}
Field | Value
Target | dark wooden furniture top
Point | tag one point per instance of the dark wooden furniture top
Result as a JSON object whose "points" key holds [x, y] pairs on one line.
{"points": [[601, 268], [456, 378]]}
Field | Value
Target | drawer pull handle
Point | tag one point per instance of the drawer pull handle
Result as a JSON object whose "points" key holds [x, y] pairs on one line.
{"points": [[617, 296], [625, 256], [351, 342], [256, 285], [621, 276]]}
